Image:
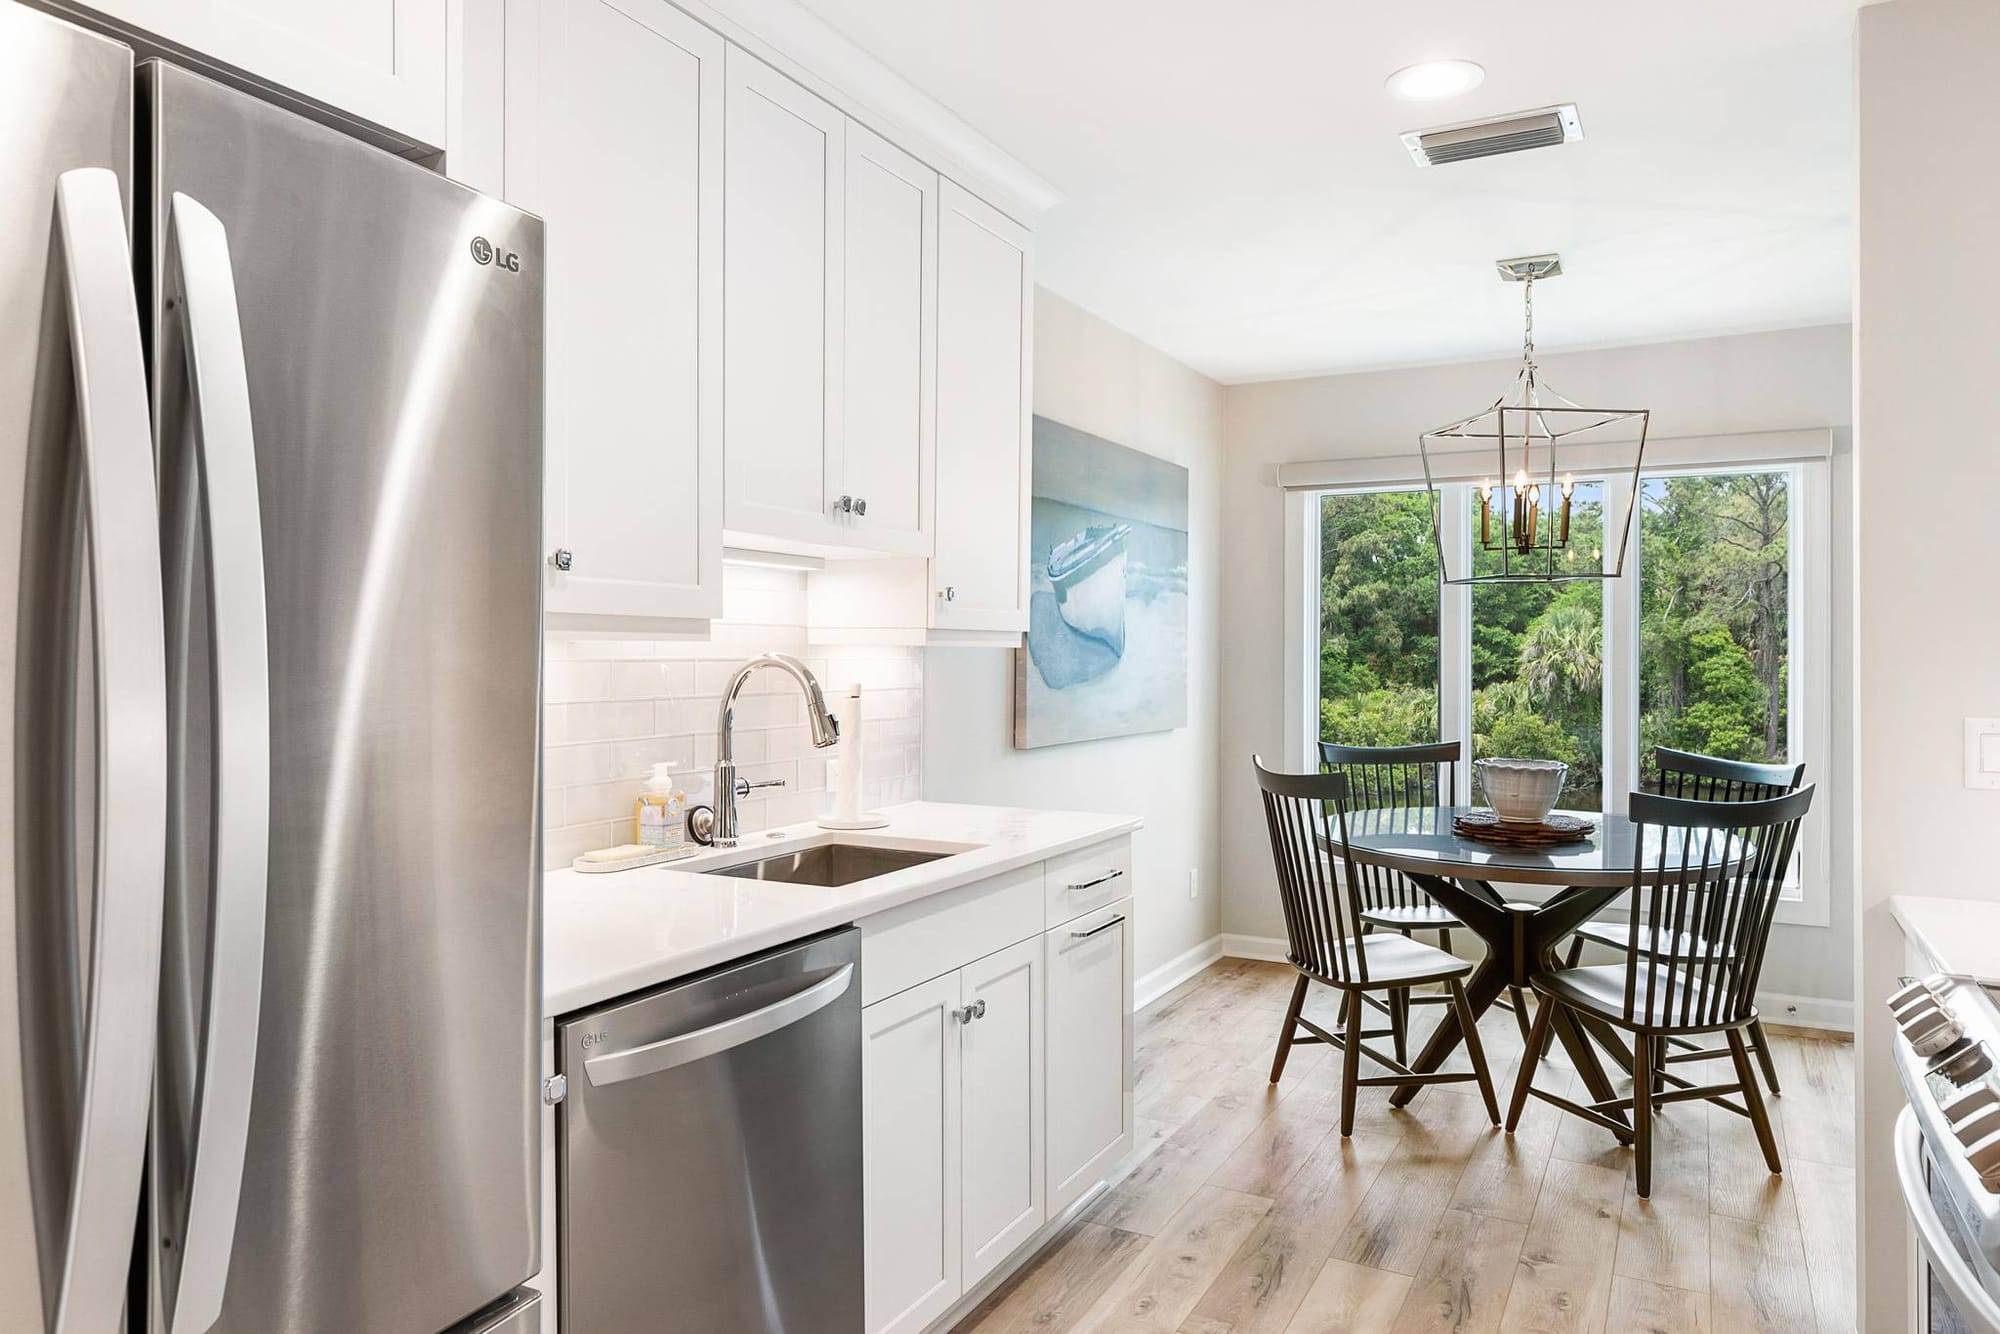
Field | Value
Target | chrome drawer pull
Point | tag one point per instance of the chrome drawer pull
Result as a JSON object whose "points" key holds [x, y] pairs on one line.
{"points": [[1093, 884], [1099, 929]]}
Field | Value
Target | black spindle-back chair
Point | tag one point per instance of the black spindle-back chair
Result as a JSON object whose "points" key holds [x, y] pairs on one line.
{"points": [[1705, 888], [1390, 777], [1326, 940], [1697, 777]]}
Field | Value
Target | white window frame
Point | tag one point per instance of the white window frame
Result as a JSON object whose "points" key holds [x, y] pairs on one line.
{"points": [[1806, 455]]}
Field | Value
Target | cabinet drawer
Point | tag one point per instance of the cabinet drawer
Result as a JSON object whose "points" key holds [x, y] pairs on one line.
{"points": [[1082, 881], [1088, 981], [920, 940]]}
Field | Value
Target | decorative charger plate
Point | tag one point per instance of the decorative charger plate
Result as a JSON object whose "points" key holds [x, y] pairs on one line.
{"points": [[1552, 831]]}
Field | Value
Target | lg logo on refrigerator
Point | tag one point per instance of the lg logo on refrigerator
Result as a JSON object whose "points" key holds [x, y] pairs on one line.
{"points": [[483, 251]]}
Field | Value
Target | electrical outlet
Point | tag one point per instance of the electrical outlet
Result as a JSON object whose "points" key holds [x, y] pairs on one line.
{"points": [[1194, 884]]}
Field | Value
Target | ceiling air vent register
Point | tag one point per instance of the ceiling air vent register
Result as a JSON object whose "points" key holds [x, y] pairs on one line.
{"points": [[1515, 132]]}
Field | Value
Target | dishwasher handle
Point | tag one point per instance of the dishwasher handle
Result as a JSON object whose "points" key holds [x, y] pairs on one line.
{"points": [[615, 1067]]}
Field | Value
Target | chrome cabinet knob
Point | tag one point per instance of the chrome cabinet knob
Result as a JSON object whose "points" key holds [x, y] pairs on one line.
{"points": [[948, 593], [860, 507], [845, 505], [562, 558], [966, 1014]]}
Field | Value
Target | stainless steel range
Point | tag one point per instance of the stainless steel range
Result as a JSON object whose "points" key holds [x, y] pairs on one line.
{"points": [[1948, 1148]]}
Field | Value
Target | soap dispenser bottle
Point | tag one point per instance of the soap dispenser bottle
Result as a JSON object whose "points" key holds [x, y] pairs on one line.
{"points": [[660, 819]]}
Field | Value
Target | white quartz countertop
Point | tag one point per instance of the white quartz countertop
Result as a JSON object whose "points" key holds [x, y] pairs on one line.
{"points": [[1960, 935], [605, 935]]}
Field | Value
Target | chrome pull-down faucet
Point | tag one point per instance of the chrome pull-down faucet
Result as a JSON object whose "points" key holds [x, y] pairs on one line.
{"points": [[825, 731]]}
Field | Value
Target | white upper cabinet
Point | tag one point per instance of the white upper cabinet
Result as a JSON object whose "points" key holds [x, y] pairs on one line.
{"points": [[615, 136], [381, 60], [979, 579], [889, 442], [782, 254]]}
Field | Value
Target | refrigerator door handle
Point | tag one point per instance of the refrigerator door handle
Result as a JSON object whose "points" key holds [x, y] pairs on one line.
{"points": [[219, 403], [114, 434]]}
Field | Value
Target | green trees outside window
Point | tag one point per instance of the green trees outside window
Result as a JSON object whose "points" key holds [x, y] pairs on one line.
{"points": [[1714, 616], [1713, 655]]}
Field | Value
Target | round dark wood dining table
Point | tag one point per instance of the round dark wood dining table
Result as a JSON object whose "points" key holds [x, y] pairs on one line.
{"points": [[1521, 936]]}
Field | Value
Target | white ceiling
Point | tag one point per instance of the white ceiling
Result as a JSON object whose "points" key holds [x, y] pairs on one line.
{"points": [[1237, 196]]}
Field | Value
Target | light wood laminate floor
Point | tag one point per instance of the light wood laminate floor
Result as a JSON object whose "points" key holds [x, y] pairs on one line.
{"points": [[1242, 1211]]}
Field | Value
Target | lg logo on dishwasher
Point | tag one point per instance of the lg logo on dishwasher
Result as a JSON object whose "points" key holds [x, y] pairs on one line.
{"points": [[483, 251]]}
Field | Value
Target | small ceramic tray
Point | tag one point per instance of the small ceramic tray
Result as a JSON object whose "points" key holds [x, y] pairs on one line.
{"points": [[586, 867]]}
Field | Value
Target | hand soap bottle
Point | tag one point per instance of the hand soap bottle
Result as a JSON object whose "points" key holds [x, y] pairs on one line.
{"points": [[661, 817]]}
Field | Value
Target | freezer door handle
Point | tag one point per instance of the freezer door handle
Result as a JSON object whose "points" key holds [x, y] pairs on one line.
{"points": [[204, 284], [114, 434], [615, 1067]]}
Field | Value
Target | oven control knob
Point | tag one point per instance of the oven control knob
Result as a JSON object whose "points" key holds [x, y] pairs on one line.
{"points": [[1985, 1160], [1967, 1066], [1909, 995], [1930, 1034], [1961, 1106], [1979, 1127]]}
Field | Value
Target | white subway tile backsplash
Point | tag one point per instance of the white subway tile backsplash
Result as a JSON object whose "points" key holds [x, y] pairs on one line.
{"points": [[617, 707]]}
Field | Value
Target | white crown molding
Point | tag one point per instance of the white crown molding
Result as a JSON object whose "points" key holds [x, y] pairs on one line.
{"points": [[797, 41]]}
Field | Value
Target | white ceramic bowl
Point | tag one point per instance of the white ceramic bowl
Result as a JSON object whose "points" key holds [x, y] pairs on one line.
{"points": [[1521, 791]]}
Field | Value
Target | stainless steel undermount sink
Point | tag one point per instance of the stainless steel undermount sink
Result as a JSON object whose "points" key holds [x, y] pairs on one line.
{"points": [[829, 864]]}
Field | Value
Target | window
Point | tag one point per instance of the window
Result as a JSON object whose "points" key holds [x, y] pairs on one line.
{"points": [[1715, 617], [1715, 640], [1378, 619], [1538, 661]]}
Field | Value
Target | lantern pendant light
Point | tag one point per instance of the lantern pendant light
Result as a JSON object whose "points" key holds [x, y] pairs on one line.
{"points": [[1534, 442]]}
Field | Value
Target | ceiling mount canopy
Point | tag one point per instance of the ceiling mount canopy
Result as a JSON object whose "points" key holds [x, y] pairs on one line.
{"points": [[1532, 519]]}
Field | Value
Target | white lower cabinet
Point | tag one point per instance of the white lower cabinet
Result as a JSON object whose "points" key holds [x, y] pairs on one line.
{"points": [[1000, 1083], [1089, 991], [912, 1114], [994, 1096]]}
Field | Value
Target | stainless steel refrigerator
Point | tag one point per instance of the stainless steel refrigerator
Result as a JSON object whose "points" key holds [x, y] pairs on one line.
{"points": [[270, 475]]}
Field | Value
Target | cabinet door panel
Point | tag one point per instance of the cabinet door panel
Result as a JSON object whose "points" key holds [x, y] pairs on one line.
{"points": [[615, 137], [985, 306], [1002, 1080], [782, 356], [910, 1093], [890, 303], [380, 60], [1089, 1050]]}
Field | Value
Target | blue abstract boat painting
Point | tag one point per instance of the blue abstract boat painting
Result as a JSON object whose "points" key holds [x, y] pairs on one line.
{"points": [[1108, 579]]}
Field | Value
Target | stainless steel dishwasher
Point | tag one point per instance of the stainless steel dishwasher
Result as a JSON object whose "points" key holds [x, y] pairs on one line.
{"points": [[709, 1170]]}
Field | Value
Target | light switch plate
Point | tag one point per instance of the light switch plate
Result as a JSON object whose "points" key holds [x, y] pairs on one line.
{"points": [[1982, 753]]}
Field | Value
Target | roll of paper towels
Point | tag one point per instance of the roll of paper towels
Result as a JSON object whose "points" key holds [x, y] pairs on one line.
{"points": [[847, 759]]}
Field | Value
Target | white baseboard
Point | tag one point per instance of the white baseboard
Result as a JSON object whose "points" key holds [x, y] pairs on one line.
{"points": [[1271, 949], [1803, 1011], [1806, 1011], [1159, 981]]}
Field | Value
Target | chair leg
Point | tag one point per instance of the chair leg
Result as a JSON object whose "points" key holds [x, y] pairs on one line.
{"points": [[1538, 1042], [1444, 939], [1753, 1101], [1520, 1000], [1399, 1023], [1350, 1066], [1763, 1047], [1475, 1050], [1575, 951], [1644, 1047], [1291, 1026]]}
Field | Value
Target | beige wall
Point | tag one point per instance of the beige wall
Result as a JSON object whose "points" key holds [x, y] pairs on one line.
{"points": [[1927, 320], [1099, 379], [1715, 386]]}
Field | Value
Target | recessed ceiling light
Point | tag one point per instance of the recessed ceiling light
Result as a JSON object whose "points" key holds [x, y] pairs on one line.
{"points": [[1434, 79]]}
